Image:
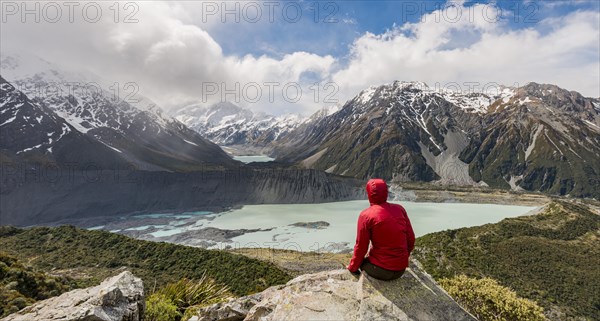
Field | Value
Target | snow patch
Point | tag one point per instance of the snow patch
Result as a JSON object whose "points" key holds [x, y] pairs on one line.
{"points": [[30, 148], [552, 142], [513, 183], [525, 100], [8, 121], [308, 162], [65, 131], [507, 94], [331, 169], [473, 103], [532, 144], [366, 94], [187, 141], [116, 150], [5, 87], [73, 120], [591, 124]]}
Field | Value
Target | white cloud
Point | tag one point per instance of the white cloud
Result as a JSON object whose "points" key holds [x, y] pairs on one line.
{"points": [[566, 55], [171, 54]]}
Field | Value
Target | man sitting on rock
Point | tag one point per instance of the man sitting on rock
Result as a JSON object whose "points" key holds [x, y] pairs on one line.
{"points": [[387, 227]]}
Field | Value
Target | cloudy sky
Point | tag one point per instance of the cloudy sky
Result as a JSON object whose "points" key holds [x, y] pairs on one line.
{"points": [[206, 51]]}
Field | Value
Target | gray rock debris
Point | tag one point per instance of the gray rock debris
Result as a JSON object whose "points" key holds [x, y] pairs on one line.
{"points": [[119, 298]]}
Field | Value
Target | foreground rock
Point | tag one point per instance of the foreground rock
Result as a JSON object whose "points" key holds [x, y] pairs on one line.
{"points": [[120, 298], [339, 295]]}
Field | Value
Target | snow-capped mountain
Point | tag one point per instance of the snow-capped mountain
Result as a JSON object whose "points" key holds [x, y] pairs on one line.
{"points": [[132, 126], [34, 133], [537, 137], [227, 124]]}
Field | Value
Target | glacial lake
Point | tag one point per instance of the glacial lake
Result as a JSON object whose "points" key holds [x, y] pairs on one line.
{"points": [[253, 159], [304, 227]]}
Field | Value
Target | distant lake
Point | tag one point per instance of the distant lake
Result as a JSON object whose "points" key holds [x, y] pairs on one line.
{"points": [[255, 158], [332, 225]]}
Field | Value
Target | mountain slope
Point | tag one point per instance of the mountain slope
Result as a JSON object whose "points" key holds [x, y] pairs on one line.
{"points": [[131, 125], [114, 193], [227, 124], [384, 132], [543, 139], [22, 285], [538, 138], [551, 257], [33, 133], [96, 254]]}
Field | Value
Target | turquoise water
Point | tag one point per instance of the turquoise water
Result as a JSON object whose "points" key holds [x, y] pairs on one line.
{"points": [[338, 236], [144, 227], [250, 159], [342, 216], [167, 232], [173, 216]]}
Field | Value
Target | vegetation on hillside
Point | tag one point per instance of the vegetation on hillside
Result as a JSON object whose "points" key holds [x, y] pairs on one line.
{"points": [[489, 301], [95, 255], [552, 257], [181, 300], [21, 285]]}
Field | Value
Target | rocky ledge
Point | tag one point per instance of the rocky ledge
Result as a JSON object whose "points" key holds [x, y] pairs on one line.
{"points": [[329, 295], [339, 295], [119, 298]]}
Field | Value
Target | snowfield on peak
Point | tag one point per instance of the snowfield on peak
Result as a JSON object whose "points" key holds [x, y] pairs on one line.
{"points": [[118, 117], [472, 102], [227, 124]]}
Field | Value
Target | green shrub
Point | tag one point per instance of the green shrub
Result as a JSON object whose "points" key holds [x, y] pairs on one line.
{"points": [[489, 301], [551, 257], [22, 285], [160, 308], [187, 296], [97, 254]]}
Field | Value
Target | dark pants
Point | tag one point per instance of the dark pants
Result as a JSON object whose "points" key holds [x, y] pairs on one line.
{"points": [[378, 272]]}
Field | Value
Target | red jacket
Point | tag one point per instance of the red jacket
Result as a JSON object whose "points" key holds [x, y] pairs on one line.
{"points": [[388, 229]]}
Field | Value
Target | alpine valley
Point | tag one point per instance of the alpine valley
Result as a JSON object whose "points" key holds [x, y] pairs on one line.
{"points": [[87, 153], [137, 179], [537, 137]]}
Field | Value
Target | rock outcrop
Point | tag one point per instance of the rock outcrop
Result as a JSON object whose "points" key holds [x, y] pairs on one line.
{"points": [[339, 295], [119, 298]]}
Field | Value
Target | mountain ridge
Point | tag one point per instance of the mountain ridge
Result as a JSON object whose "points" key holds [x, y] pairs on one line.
{"points": [[227, 124], [133, 126], [403, 133]]}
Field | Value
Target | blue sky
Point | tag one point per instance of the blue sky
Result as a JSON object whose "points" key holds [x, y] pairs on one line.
{"points": [[176, 47], [350, 19]]}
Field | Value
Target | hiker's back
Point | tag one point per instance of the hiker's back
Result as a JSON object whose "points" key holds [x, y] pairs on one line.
{"points": [[389, 236]]}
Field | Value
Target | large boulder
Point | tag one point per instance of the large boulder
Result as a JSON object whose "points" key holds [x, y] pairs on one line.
{"points": [[119, 298], [339, 295]]}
